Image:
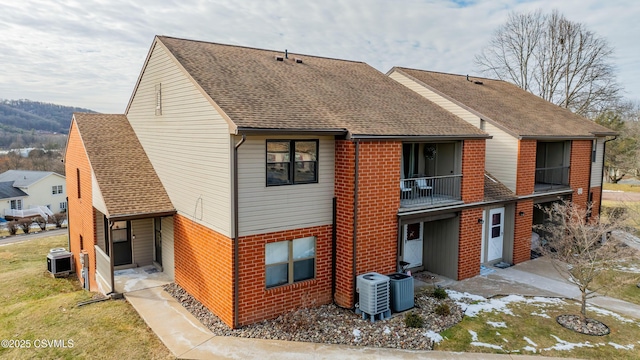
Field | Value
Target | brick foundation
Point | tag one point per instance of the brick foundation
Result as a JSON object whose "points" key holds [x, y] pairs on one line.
{"points": [[204, 266], [256, 302], [522, 231], [469, 243]]}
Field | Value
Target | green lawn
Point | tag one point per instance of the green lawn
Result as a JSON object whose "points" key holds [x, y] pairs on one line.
{"points": [[540, 332], [37, 308], [621, 187]]}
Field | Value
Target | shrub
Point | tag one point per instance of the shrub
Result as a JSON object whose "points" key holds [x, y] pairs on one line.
{"points": [[58, 219], [413, 320], [42, 222], [12, 226], [443, 309], [440, 293], [25, 225]]}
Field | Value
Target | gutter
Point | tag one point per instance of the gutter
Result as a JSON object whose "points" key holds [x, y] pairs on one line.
{"points": [[355, 219], [236, 266], [419, 137]]}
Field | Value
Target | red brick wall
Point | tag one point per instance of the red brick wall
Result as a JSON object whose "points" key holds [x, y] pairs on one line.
{"points": [[580, 170], [522, 231], [344, 192], [595, 202], [256, 302], [80, 210], [378, 204], [204, 266], [473, 155], [469, 243], [526, 176]]}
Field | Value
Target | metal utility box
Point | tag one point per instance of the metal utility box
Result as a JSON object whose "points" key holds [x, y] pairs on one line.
{"points": [[401, 292], [59, 262], [373, 289]]}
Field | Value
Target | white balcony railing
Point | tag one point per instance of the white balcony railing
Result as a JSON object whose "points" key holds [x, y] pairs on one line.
{"points": [[433, 190], [43, 211]]}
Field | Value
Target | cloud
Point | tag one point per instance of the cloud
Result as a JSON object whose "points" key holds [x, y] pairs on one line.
{"points": [[89, 53]]}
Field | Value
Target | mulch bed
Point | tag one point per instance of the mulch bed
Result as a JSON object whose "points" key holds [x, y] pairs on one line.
{"points": [[588, 326]]}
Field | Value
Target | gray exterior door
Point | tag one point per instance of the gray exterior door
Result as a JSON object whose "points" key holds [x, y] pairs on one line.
{"points": [[121, 233], [157, 225]]}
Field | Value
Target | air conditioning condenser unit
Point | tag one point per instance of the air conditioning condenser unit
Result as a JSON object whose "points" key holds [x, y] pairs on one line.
{"points": [[59, 262]]}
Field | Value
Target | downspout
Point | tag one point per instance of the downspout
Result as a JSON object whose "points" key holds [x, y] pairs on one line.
{"points": [[69, 228], [604, 151], [398, 267], [236, 253], [334, 246], [589, 193], [111, 255], [355, 218]]}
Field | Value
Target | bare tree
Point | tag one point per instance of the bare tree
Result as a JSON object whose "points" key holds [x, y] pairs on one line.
{"points": [[557, 59], [581, 248]]}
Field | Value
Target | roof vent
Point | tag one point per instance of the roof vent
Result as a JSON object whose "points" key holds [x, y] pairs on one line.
{"points": [[286, 54], [279, 58], [478, 82], [298, 61]]}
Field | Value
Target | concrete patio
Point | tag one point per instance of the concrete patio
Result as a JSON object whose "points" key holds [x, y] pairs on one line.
{"points": [[128, 280]]}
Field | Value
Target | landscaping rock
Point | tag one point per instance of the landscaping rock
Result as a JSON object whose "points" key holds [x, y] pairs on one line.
{"points": [[331, 324], [587, 327]]}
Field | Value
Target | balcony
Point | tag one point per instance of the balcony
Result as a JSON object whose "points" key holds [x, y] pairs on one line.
{"points": [[33, 211], [430, 191], [552, 178]]}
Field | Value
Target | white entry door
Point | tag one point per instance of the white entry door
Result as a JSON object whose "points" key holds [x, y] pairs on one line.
{"points": [[496, 234], [413, 244]]}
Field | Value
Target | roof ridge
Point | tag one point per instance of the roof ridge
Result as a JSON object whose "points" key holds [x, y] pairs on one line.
{"points": [[261, 49], [454, 74]]}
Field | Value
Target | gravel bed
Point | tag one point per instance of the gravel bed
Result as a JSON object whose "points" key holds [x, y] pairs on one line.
{"points": [[331, 324], [587, 327]]}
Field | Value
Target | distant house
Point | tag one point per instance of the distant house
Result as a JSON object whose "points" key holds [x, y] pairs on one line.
{"points": [[25, 193]]}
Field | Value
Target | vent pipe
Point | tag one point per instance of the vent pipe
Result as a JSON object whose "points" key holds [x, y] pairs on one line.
{"points": [[286, 54]]}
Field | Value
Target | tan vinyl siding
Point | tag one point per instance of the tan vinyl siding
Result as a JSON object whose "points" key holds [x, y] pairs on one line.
{"points": [[96, 196], [501, 157], [143, 242], [265, 209], [432, 96], [168, 264], [188, 145], [596, 167]]}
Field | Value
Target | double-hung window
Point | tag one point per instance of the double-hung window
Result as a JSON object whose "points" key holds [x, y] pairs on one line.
{"points": [[56, 189], [292, 162], [287, 262]]}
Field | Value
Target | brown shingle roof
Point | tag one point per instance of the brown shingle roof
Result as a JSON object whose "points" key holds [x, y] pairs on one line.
{"points": [[258, 92], [511, 108], [494, 190], [129, 184]]}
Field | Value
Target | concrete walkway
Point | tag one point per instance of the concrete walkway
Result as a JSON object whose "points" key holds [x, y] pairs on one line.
{"points": [[187, 338]]}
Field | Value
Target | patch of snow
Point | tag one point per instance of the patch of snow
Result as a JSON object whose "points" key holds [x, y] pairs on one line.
{"points": [[608, 313], [482, 304], [498, 333], [629, 269], [565, 345], [530, 348], [621, 347], [474, 335], [387, 331], [505, 340], [541, 314], [356, 334], [529, 341], [434, 336], [496, 324], [492, 346]]}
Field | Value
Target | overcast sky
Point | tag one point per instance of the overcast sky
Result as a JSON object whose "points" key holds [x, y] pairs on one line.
{"points": [[89, 53]]}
